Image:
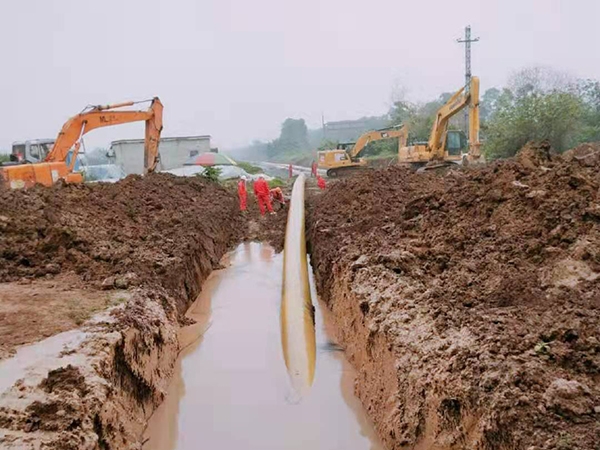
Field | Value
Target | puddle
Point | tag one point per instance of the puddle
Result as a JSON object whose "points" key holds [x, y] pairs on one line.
{"points": [[231, 389], [32, 362]]}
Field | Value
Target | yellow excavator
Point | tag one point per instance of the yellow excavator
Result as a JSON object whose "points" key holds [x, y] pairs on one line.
{"points": [[345, 158], [448, 146]]}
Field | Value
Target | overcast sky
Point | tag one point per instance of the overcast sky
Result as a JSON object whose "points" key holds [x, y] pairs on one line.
{"points": [[235, 69]]}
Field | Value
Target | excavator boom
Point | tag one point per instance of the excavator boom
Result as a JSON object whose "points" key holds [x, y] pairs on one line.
{"points": [[377, 135], [105, 116], [437, 148], [55, 166], [341, 161]]}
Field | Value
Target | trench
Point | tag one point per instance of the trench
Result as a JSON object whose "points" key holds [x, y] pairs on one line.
{"points": [[231, 389]]}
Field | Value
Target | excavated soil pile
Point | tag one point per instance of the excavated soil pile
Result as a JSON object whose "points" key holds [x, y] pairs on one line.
{"points": [[470, 301], [140, 231], [159, 237]]}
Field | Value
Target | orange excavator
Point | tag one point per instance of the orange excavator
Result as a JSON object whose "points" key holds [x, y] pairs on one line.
{"points": [[60, 161]]}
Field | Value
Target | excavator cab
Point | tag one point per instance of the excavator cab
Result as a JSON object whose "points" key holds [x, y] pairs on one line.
{"points": [[456, 142], [345, 145]]}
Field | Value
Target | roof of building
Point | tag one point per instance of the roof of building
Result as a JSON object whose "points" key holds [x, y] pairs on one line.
{"points": [[164, 139]]}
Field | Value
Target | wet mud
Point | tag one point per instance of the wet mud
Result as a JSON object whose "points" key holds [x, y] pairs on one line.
{"points": [[157, 239], [469, 301], [231, 388]]}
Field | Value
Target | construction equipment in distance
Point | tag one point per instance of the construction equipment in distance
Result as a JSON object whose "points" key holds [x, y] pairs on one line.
{"points": [[345, 158], [60, 161], [447, 146]]}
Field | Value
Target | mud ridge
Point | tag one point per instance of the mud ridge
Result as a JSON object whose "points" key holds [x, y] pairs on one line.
{"points": [[158, 237], [469, 301]]}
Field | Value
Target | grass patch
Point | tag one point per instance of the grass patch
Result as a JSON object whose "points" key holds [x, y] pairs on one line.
{"points": [[211, 173], [277, 182], [252, 170]]}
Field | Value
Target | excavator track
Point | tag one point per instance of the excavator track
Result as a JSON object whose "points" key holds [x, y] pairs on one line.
{"points": [[440, 165], [342, 172]]}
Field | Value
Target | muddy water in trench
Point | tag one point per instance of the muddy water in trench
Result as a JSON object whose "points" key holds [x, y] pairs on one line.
{"points": [[231, 388]]}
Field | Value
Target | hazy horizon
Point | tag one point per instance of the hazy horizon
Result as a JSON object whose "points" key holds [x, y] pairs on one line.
{"points": [[236, 70]]}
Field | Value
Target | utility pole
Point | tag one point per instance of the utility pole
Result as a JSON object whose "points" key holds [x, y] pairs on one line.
{"points": [[467, 41]]}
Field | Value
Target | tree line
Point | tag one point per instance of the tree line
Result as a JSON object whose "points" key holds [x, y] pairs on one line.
{"points": [[537, 104]]}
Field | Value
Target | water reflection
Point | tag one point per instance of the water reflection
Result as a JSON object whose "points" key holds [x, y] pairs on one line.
{"points": [[231, 386]]}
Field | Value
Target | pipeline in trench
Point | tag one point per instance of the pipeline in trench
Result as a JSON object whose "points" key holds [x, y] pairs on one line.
{"points": [[231, 389]]}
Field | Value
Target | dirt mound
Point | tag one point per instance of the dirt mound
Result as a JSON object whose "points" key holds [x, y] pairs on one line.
{"points": [[470, 301], [586, 154], [137, 231], [158, 236], [64, 379]]}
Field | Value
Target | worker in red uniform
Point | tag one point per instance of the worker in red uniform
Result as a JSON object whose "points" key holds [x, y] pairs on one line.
{"points": [[290, 171], [277, 195], [321, 182], [261, 190], [313, 169], [242, 193]]}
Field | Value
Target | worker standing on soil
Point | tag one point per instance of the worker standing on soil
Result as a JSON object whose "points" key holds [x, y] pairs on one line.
{"points": [[321, 182], [313, 169], [261, 190], [290, 171], [242, 193]]}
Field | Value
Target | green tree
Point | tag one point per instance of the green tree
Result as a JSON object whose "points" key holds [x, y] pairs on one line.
{"points": [[294, 135], [293, 138], [589, 92], [328, 145], [211, 173], [418, 117], [530, 115], [489, 103]]}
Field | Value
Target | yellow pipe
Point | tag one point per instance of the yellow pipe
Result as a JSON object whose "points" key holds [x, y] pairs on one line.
{"points": [[297, 311]]}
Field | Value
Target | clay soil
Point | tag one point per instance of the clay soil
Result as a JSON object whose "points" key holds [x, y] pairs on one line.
{"points": [[33, 310], [140, 230], [66, 252], [469, 301]]}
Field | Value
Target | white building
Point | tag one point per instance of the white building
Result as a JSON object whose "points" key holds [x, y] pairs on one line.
{"points": [[173, 151]]}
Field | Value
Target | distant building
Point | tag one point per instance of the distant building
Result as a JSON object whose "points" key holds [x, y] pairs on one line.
{"points": [[173, 151], [350, 130]]}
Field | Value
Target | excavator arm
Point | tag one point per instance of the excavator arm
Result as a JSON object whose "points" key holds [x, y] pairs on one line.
{"points": [[104, 116], [454, 105], [378, 135], [55, 166], [474, 143]]}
